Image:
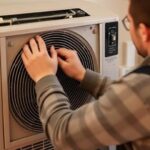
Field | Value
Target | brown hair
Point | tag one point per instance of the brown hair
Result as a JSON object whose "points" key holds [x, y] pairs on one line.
{"points": [[140, 11]]}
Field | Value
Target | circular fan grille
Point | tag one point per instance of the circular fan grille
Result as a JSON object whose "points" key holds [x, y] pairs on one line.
{"points": [[21, 88]]}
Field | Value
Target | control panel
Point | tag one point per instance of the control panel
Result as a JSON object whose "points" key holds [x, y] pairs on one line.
{"points": [[110, 61], [111, 39]]}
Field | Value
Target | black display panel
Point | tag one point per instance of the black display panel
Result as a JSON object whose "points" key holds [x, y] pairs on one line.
{"points": [[111, 39]]}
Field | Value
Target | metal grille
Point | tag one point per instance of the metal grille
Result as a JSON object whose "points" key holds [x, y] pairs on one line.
{"points": [[42, 145], [22, 95]]}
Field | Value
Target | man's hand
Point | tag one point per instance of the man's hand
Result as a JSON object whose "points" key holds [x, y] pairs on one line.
{"points": [[37, 61], [70, 64]]}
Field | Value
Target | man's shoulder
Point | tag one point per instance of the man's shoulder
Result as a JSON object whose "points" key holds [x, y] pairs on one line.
{"points": [[138, 81], [142, 70], [139, 77]]}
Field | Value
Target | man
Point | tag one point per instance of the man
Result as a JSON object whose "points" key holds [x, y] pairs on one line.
{"points": [[121, 115]]}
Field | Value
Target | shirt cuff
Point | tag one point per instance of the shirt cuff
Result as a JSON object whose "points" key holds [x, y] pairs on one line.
{"points": [[46, 82], [90, 81]]}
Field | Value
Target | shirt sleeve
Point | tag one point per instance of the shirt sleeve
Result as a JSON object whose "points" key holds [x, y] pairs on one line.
{"points": [[94, 83], [112, 119]]}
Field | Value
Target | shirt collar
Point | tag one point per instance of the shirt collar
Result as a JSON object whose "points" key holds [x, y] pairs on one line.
{"points": [[146, 61]]}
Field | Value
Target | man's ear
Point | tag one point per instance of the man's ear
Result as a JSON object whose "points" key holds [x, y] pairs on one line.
{"points": [[144, 32]]}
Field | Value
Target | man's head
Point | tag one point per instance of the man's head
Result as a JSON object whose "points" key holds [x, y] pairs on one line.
{"points": [[139, 18]]}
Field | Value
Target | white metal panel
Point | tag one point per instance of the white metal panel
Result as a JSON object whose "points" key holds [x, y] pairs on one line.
{"points": [[1, 110]]}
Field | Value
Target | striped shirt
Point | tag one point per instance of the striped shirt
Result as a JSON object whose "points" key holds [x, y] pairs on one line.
{"points": [[120, 114]]}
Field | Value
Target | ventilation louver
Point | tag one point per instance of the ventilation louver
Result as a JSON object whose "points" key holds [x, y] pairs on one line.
{"points": [[42, 145], [41, 16], [22, 95]]}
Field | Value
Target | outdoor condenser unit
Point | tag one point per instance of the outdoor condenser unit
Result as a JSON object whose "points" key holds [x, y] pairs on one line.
{"points": [[79, 25]]}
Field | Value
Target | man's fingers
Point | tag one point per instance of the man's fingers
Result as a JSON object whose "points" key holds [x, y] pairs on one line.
{"points": [[63, 52], [61, 62], [53, 52], [41, 43], [34, 46], [27, 52], [24, 58]]}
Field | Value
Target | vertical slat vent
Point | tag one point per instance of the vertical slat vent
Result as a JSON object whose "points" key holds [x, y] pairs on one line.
{"points": [[42, 145]]}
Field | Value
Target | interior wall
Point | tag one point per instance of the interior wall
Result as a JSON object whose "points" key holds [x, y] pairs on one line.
{"points": [[127, 50], [119, 7]]}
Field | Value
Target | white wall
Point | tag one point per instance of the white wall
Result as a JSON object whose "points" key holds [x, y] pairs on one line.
{"points": [[120, 7], [127, 54]]}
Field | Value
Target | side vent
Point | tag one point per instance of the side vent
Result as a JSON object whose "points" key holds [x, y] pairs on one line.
{"points": [[42, 145], [41, 16]]}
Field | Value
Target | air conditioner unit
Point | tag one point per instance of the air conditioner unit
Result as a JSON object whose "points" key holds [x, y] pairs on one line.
{"points": [[83, 26]]}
